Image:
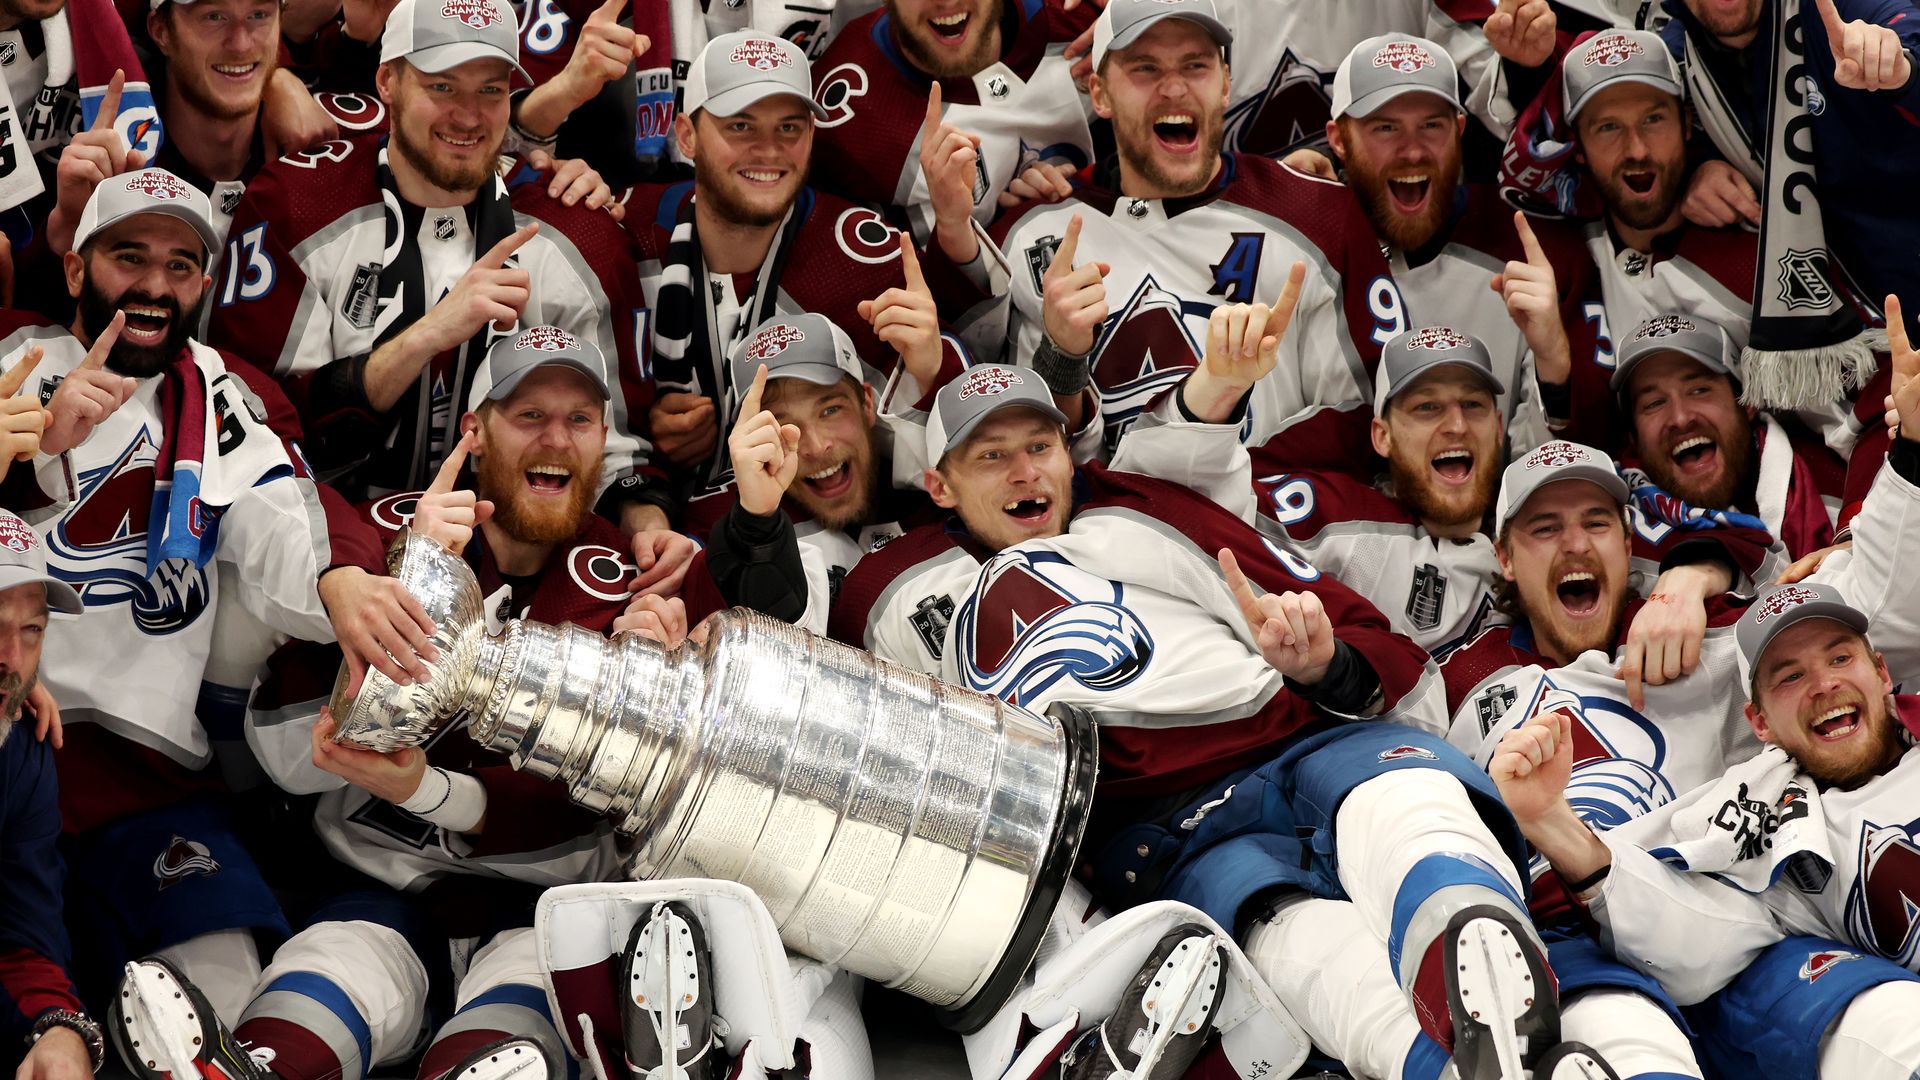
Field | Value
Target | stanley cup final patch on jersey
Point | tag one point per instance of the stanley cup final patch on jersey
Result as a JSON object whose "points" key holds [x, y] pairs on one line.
{"points": [[1492, 704], [930, 619], [182, 858], [362, 303], [1039, 257], [1427, 598]]}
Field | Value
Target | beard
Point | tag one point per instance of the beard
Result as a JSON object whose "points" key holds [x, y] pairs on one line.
{"points": [[444, 175], [852, 508], [1736, 455], [1408, 233], [126, 358], [939, 61], [1567, 638], [1730, 24], [14, 689], [1870, 760], [710, 184], [532, 519], [1622, 201], [1413, 485], [1137, 148]]}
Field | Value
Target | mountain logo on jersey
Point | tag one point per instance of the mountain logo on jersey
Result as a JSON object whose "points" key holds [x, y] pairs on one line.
{"points": [[1294, 107], [159, 184], [1617, 758], [773, 341], [478, 14], [1782, 600], [1802, 280], [182, 858], [1819, 963], [100, 546], [1405, 57], [1033, 619], [1439, 339], [1143, 350], [989, 382], [759, 54], [1406, 750], [1883, 905], [547, 339], [1612, 50]]}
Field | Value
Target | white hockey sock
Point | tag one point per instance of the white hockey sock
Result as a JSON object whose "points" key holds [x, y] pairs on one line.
{"points": [[1631, 1031], [224, 964], [1876, 1037]]}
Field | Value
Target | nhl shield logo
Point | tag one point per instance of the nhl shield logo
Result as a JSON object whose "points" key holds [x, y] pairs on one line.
{"points": [[1427, 598], [1039, 257], [8, 53], [1492, 704], [997, 87], [930, 619], [1819, 963], [773, 341], [1802, 279], [1404, 57], [478, 14], [443, 227], [1612, 50]]}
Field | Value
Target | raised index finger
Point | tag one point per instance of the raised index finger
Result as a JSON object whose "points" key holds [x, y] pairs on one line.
{"points": [[1836, 28], [449, 473], [1242, 590], [97, 356], [496, 256], [1289, 299], [1897, 330], [1069, 244], [1536, 256], [910, 264], [610, 11], [110, 104], [932, 123], [750, 401], [16, 376]]}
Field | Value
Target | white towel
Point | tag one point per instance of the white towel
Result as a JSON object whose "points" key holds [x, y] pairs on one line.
{"points": [[1742, 828]]}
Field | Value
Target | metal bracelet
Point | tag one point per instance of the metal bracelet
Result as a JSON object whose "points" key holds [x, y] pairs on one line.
{"points": [[80, 1024]]}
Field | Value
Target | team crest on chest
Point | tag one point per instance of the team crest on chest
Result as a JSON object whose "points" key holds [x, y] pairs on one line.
{"points": [[1884, 901], [100, 546], [1034, 619]]}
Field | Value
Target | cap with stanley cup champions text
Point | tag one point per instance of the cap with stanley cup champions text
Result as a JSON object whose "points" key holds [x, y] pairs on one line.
{"points": [[1417, 352], [1612, 58], [1693, 337], [978, 393], [806, 346], [1774, 611], [439, 35], [511, 360], [23, 561], [1383, 68], [146, 191], [1549, 464], [1123, 21], [735, 70]]}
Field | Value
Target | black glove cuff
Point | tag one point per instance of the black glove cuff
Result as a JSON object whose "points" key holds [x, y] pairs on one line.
{"points": [[1064, 373]]}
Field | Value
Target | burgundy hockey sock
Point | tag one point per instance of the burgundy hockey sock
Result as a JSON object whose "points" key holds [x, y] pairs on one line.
{"points": [[298, 1054]]}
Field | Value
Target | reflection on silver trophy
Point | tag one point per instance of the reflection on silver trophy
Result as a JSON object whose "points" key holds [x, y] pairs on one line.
{"points": [[910, 831]]}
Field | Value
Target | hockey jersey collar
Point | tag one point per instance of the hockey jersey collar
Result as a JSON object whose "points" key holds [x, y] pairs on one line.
{"points": [[1104, 193], [1023, 40]]}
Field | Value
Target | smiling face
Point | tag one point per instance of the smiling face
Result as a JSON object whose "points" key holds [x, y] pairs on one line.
{"points": [[838, 472], [1633, 139], [151, 266], [1734, 22], [219, 53], [748, 167], [1822, 694], [1566, 553], [948, 38], [448, 126], [1012, 480], [1404, 164], [1167, 97], [1695, 440], [23, 628], [539, 453], [1441, 438]]}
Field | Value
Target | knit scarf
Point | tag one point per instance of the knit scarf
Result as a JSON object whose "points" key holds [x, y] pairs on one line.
{"points": [[403, 300], [1808, 347]]}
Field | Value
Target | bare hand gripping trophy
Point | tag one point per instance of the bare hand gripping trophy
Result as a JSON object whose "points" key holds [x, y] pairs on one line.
{"points": [[909, 831]]}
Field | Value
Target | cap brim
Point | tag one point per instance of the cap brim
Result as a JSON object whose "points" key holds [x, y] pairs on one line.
{"points": [[1369, 104], [1388, 393], [1605, 479], [506, 386], [1658, 82], [1841, 613], [959, 435], [61, 596], [1617, 382], [818, 374], [201, 227], [1215, 29], [439, 58], [738, 99]]}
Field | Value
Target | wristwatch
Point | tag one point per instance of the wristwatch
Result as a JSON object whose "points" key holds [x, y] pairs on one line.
{"points": [[79, 1023]]}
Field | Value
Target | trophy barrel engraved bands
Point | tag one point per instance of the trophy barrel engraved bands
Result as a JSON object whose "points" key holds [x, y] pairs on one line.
{"points": [[910, 831]]}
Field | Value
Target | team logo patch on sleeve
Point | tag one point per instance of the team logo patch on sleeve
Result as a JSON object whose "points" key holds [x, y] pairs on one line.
{"points": [[1819, 963], [1612, 50], [181, 859], [1406, 750], [1404, 57], [599, 571], [866, 237], [478, 14], [1427, 597]]}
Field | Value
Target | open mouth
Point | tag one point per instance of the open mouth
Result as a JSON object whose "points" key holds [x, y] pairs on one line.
{"points": [[236, 72], [549, 479], [458, 143], [1030, 512], [763, 177], [1695, 455], [1409, 193], [1579, 593], [1177, 132], [1454, 466], [1838, 722], [830, 483], [145, 325], [951, 29], [1638, 181]]}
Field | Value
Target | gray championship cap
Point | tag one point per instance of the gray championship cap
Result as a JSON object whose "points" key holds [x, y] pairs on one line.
{"points": [[1382, 68], [1549, 464], [735, 70], [511, 360], [439, 35], [806, 347], [1614, 57], [23, 561], [1775, 611], [1697, 338], [1417, 352], [978, 393], [1123, 21], [148, 191]]}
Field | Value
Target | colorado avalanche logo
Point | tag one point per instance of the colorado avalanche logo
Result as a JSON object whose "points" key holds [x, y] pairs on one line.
{"points": [[1883, 906], [547, 339], [1034, 619], [1404, 57], [157, 184], [1782, 600], [1438, 339], [836, 92], [478, 14], [1618, 756], [989, 382], [1612, 50], [866, 237], [1406, 750], [1665, 326], [1558, 455], [759, 55], [1819, 963], [599, 571], [773, 341], [1293, 107], [16, 536], [355, 112], [181, 859], [395, 511]]}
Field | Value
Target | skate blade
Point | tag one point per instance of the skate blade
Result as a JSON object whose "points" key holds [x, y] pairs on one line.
{"points": [[510, 1063], [163, 1025], [1496, 988]]}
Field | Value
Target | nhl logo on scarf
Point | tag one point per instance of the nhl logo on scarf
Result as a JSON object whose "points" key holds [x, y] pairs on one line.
{"points": [[987, 382], [1404, 57], [546, 339], [759, 54], [1438, 339], [1612, 50], [17, 536], [773, 341], [1803, 279], [1781, 601], [155, 184], [478, 14]]}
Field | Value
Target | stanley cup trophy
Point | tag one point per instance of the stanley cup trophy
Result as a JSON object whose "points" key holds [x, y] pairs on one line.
{"points": [[909, 831]]}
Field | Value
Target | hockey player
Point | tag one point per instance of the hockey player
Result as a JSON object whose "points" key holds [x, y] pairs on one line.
{"points": [[451, 825], [747, 240], [1057, 584], [375, 322]]}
